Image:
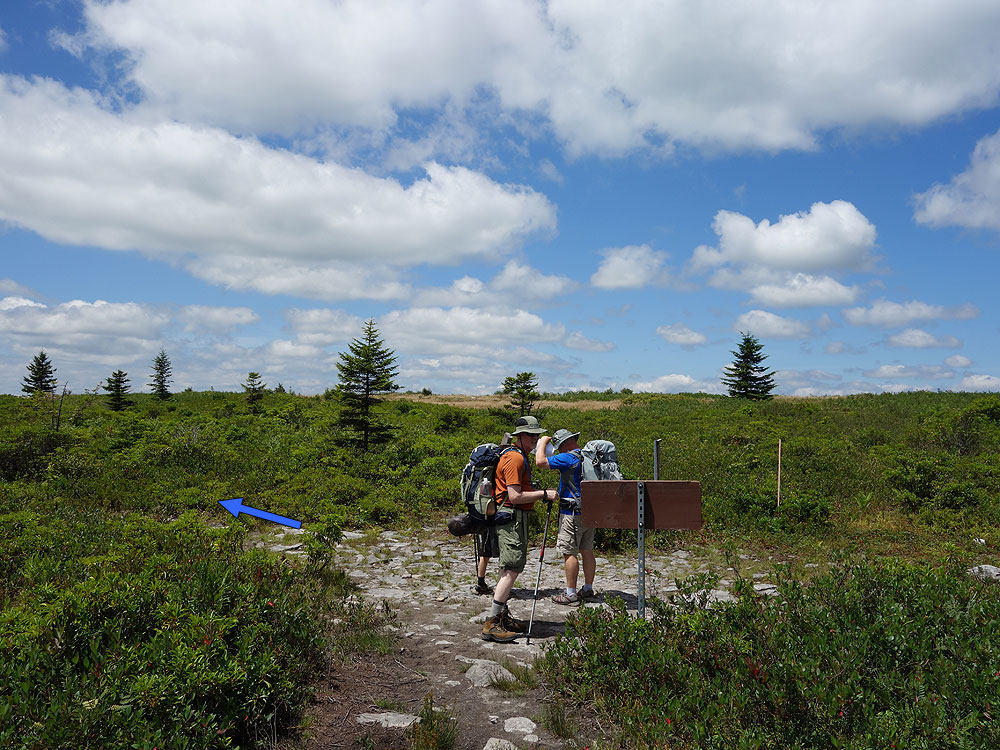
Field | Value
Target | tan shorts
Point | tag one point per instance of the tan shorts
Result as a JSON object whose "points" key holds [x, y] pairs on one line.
{"points": [[573, 536]]}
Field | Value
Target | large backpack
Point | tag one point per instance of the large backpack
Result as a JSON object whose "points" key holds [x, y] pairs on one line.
{"points": [[600, 460], [482, 463]]}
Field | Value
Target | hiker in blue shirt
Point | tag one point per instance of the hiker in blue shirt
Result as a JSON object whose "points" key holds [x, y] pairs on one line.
{"points": [[573, 537]]}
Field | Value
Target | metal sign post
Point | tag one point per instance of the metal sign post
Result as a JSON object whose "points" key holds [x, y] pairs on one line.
{"points": [[653, 504], [641, 604]]}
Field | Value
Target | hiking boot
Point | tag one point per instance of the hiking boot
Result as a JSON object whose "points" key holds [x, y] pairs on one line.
{"points": [[566, 599], [494, 630], [511, 623], [482, 588], [586, 593]]}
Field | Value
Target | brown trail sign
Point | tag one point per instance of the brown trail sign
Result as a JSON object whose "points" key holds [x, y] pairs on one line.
{"points": [[656, 504]]}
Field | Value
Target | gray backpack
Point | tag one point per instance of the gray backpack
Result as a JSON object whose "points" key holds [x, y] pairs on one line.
{"points": [[600, 460]]}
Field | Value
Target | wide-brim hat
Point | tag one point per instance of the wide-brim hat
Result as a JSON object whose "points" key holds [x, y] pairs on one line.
{"points": [[527, 425], [562, 436]]}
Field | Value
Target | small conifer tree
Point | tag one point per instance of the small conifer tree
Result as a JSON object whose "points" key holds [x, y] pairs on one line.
{"points": [[366, 371], [117, 387], [161, 375], [254, 389], [522, 389], [746, 377], [41, 377]]}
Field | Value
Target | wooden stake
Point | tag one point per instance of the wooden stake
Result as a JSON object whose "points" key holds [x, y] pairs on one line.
{"points": [[779, 472]]}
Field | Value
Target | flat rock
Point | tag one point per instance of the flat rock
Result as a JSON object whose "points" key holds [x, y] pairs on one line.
{"points": [[484, 672], [986, 572], [519, 725], [495, 743], [389, 720]]}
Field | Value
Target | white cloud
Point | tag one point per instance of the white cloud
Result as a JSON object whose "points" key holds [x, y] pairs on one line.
{"points": [[608, 78], [768, 325], [830, 236], [916, 338], [9, 286], [324, 327], [932, 372], [111, 333], [803, 290], [9, 303], [958, 361], [980, 383], [432, 331], [885, 314], [577, 340], [971, 198], [631, 267], [205, 318], [678, 333], [528, 286], [234, 211], [677, 384]]}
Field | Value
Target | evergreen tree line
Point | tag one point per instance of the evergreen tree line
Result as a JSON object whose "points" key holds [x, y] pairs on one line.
{"points": [[367, 371]]}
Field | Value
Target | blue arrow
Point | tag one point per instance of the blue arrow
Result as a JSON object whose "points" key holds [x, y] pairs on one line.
{"points": [[236, 506]]}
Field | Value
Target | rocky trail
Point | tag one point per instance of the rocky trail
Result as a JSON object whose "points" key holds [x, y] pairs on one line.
{"points": [[427, 578]]}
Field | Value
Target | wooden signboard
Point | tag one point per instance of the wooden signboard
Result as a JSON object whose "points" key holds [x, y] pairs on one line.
{"points": [[613, 504]]}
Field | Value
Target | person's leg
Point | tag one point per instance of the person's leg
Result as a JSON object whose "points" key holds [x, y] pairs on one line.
{"points": [[589, 567], [481, 570], [504, 586], [572, 566]]}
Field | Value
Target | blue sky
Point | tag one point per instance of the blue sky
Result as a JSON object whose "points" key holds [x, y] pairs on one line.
{"points": [[605, 194]]}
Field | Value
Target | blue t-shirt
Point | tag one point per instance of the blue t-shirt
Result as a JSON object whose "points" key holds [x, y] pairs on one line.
{"points": [[568, 466]]}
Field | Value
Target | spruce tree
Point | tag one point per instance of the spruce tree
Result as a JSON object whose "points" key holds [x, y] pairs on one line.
{"points": [[161, 375], [366, 371], [118, 388], [746, 377], [522, 391], [254, 389], [41, 377]]}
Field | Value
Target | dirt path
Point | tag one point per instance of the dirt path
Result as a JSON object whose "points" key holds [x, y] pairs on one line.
{"points": [[427, 579]]}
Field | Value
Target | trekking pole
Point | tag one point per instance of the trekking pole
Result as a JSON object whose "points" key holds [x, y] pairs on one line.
{"points": [[538, 577]]}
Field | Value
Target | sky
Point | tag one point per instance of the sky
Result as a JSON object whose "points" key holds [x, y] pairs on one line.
{"points": [[605, 194]]}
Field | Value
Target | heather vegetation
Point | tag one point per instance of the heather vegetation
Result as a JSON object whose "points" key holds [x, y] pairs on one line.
{"points": [[126, 617]]}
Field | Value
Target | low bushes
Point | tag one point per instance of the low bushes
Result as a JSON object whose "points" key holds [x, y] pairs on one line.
{"points": [[135, 633], [876, 655]]}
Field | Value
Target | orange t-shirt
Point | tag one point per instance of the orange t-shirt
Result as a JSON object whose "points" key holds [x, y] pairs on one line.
{"points": [[513, 469]]}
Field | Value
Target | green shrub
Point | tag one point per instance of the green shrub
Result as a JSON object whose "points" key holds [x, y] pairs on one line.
{"points": [[868, 655], [140, 633]]}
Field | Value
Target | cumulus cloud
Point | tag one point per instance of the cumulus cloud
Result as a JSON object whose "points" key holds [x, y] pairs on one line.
{"points": [[9, 286], [607, 78], [980, 383], [971, 198], [205, 318], [631, 267], [829, 236], [768, 325], [324, 327], [112, 333], [908, 371], [678, 333], [529, 286], [677, 384], [804, 290], [886, 314], [916, 338], [462, 329], [958, 361], [234, 211], [577, 340]]}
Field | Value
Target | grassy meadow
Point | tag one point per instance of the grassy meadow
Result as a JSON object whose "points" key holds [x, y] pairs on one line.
{"points": [[133, 614]]}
